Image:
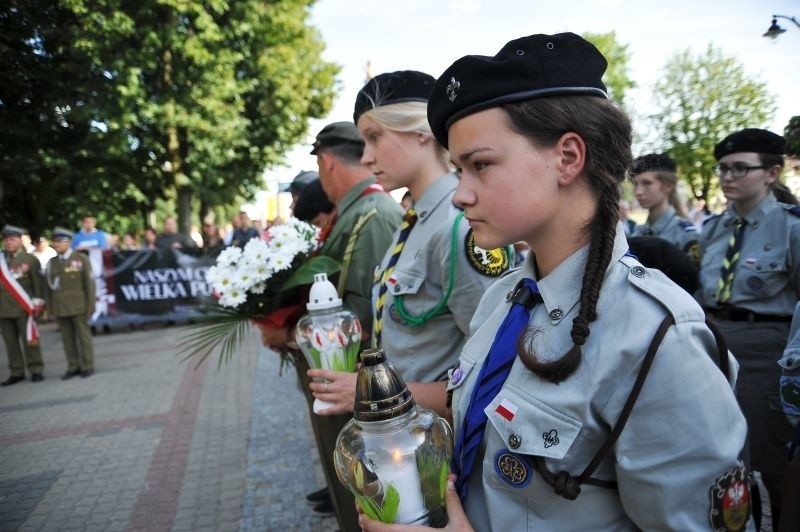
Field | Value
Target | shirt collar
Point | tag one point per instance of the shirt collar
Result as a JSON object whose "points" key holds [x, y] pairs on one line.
{"points": [[67, 254], [755, 215], [561, 288], [435, 195], [352, 195], [661, 222]]}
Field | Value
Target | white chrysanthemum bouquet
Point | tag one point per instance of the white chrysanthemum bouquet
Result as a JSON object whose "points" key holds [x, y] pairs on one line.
{"points": [[262, 282]]}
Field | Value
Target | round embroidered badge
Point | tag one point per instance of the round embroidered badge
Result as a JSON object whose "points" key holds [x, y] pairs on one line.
{"points": [[730, 501], [512, 469], [489, 262]]}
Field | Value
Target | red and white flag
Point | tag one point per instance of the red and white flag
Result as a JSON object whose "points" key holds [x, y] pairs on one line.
{"points": [[507, 409], [22, 298]]}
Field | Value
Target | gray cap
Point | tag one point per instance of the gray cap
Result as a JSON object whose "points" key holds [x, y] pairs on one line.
{"points": [[59, 233], [335, 134], [12, 230]]}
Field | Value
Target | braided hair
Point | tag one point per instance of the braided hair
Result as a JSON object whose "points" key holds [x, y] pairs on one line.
{"points": [[606, 131]]}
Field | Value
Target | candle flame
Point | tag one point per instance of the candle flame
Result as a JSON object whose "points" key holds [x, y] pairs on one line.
{"points": [[397, 456]]}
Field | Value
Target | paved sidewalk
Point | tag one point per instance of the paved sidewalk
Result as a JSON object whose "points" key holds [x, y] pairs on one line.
{"points": [[151, 443]]}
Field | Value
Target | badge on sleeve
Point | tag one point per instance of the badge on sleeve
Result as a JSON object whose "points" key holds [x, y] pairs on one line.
{"points": [[730, 501], [491, 262], [512, 469]]}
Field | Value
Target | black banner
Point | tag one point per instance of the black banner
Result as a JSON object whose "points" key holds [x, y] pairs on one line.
{"points": [[150, 285]]}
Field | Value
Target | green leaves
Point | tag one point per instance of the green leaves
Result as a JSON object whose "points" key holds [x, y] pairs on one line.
{"points": [[305, 273], [385, 513]]}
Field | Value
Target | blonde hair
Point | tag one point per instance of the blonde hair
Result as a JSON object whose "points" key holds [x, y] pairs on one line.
{"points": [[408, 117], [674, 199]]}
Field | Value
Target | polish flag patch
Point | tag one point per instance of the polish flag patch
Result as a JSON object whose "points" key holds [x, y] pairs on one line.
{"points": [[507, 409], [391, 280]]}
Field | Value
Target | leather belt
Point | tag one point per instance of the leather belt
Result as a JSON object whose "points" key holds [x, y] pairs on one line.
{"points": [[730, 313]]}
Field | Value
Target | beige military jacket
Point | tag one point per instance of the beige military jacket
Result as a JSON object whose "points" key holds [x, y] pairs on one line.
{"points": [[70, 286], [25, 268]]}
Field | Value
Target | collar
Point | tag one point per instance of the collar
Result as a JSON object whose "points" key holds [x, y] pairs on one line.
{"points": [[353, 194], [435, 195], [661, 222], [67, 254], [561, 288], [753, 217]]}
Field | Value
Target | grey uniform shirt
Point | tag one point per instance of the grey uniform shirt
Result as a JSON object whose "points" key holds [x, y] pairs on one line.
{"points": [[685, 430], [675, 230], [766, 278], [424, 353]]}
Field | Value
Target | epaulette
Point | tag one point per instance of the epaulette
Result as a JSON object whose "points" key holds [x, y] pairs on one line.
{"points": [[687, 226], [712, 217], [792, 209]]}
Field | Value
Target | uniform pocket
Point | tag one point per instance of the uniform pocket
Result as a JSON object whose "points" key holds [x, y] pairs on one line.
{"points": [[762, 276]]}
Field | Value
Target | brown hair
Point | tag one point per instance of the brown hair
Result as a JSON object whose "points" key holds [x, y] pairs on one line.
{"points": [[778, 188], [606, 130]]}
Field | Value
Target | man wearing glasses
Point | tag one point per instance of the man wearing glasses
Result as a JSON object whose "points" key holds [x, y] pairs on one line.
{"points": [[750, 283]]}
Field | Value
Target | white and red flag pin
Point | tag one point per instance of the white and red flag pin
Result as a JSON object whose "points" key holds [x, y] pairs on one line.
{"points": [[507, 409]]}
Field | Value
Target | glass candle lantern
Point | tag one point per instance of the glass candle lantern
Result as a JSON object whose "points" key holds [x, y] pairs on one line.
{"points": [[329, 335], [394, 456]]}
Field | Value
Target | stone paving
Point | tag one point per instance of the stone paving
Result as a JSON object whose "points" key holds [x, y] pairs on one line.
{"points": [[151, 443]]}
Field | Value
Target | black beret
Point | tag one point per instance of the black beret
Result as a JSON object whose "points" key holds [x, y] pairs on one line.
{"points": [[60, 234], [311, 202], [393, 87], [302, 180], [653, 162], [536, 66], [12, 230], [336, 134], [750, 140], [655, 252]]}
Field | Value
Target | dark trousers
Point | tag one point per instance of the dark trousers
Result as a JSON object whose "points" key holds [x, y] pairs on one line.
{"points": [[77, 340], [326, 430], [19, 352]]}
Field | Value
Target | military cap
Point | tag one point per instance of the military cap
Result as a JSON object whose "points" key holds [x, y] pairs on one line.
{"points": [[60, 234], [336, 134], [393, 87], [653, 162], [12, 230], [530, 67], [302, 180], [750, 140]]}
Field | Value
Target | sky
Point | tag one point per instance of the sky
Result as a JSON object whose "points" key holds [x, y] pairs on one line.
{"points": [[429, 35]]}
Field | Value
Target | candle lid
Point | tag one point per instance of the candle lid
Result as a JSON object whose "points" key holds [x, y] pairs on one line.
{"points": [[381, 393]]}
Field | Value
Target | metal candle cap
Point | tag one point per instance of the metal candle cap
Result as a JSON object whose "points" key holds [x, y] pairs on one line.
{"points": [[381, 393]]}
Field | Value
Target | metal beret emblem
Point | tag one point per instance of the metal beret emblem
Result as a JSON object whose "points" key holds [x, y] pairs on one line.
{"points": [[452, 89]]}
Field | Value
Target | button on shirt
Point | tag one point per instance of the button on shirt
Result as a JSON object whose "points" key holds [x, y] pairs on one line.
{"points": [[659, 477], [766, 277]]}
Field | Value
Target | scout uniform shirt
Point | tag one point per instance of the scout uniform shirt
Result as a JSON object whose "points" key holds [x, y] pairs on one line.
{"points": [[424, 353], [25, 269], [71, 290], [383, 216], [682, 439], [673, 229], [766, 278]]}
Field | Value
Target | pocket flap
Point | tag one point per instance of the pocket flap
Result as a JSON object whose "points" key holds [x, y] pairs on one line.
{"points": [[404, 282], [764, 264], [531, 427]]}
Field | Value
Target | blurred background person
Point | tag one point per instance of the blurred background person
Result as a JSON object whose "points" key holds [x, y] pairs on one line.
{"points": [[89, 236], [150, 237], [170, 238]]}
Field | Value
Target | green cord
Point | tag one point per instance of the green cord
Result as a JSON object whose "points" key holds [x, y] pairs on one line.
{"points": [[439, 309]]}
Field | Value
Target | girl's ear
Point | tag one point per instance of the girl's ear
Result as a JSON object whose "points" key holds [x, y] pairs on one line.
{"points": [[571, 150]]}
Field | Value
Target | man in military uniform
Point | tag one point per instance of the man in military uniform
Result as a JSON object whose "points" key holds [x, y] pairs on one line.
{"points": [[21, 292], [70, 299]]}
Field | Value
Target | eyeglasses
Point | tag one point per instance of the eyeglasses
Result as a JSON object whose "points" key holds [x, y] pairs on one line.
{"points": [[737, 171]]}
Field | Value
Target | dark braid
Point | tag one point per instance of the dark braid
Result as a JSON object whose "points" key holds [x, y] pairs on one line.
{"points": [[607, 134]]}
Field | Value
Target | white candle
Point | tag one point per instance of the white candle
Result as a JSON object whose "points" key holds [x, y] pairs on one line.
{"points": [[402, 472]]}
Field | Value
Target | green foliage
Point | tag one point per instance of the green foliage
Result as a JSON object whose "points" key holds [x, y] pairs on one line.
{"points": [[304, 274], [617, 78], [703, 99], [109, 107], [792, 135]]}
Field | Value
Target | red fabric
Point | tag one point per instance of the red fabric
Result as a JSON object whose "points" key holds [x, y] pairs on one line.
{"points": [[283, 317]]}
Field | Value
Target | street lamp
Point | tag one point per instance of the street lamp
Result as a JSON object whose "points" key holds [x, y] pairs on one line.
{"points": [[775, 30]]}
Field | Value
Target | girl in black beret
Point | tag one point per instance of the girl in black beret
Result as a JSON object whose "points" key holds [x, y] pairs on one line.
{"points": [[750, 284], [552, 431]]}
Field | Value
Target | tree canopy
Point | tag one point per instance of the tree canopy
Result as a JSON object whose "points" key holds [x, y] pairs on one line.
{"points": [[703, 99], [108, 107], [792, 135], [617, 78]]}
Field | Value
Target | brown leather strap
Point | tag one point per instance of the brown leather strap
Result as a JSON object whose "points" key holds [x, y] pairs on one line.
{"points": [[722, 347]]}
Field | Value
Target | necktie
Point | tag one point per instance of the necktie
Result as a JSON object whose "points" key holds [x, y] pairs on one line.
{"points": [[491, 378], [405, 229], [729, 263]]}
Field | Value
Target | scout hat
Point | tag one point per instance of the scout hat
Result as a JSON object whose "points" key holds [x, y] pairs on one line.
{"points": [[12, 230], [336, 134], [750, 140], [302, 180], [61, 234], [530, 67], [653, 162], [393, 87]]}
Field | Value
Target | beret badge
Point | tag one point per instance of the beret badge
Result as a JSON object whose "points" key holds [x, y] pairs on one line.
{"points": [[452, 89]]}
